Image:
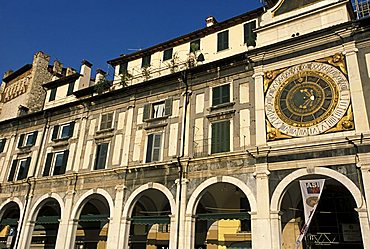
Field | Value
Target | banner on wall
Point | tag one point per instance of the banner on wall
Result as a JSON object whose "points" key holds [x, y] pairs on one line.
{"points": [[311, 192]]}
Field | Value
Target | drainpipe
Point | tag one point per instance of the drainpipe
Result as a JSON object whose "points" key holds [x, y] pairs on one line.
{"points": [[46, 117], [184, 79]]}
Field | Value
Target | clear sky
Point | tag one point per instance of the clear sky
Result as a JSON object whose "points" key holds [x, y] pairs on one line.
{"points": [[97, 31]]}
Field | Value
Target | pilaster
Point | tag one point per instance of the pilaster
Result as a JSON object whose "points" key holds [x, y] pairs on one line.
{"points": [[259, 107]]}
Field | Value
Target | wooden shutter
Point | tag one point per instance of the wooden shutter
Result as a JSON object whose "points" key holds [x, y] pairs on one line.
{"points": [[12, 170], [225, 93], [71, 128], [156, 148], [225, 136], [71, 86], [249, 35], [64, 164], [216, 96], [53, 94], [146, 112], [20, 141], [149, 149], [223, 40], [55, 132], [220, 137], [2, 144], [101, 156], [34, 137], [47, 167], [168, 107]]}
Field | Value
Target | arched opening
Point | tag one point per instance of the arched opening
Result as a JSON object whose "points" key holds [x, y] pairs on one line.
{"points": [[44, 234], [9, 224], [92, 229], [150, 221], [223, 219], [335, 224]]}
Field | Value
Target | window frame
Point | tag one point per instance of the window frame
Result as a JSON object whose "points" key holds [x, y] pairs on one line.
{"points": [[250, 41], [146, 60], [216, 142], [58, 131], [71, 86], [15, 168], [2, 144], [221, 97], [148, 112], [196, 41], [167, 54], [123, 68], [51, 160], [222, 43], [53, 94], [98, 154], [104, 126], [23, 139], [151, 148]]}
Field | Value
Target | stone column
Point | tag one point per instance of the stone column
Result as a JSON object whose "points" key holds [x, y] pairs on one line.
{"points": [[261, 232], [115, 222], [189, 239], [181, 203], [275, 217], [64, 231], [357, 95], [71, 234], [26, 234], [124, 233], [365, 173], [259, 107], [364, 225]]}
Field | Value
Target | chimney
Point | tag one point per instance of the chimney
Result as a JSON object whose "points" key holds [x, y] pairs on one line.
{"points": [[100, 74], [84, 80], [57, 67], [70, 71], [210, 21]]}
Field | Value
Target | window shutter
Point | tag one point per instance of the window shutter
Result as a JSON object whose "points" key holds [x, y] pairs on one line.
{"points": [[214, 139], [55, 132], [168, 107], [49, 158], [64, 164], [2, 144], [101, 155], [146, 112], [71, 128], [225, 93], [216, 96], [156, 148], [249, 35], [12, 170], [22, 174], [149, 149], [20, 141], [53, 94], [219, 41], [225, 136], [34, 137], [71, 86]]}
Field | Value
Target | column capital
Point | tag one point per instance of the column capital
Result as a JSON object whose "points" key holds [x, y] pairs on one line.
{"points": [[120, 188]]}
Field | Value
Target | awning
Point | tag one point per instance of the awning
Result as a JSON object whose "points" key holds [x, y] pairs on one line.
{"points": [[223, 216], [47, 220], [9, 222], [93, 217], [150, 220]]}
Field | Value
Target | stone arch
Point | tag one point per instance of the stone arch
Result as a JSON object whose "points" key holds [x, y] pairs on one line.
{"points": [[196, 195], [136, 195], [84, 199], [40, 201], [9, 200], [280, 190]]}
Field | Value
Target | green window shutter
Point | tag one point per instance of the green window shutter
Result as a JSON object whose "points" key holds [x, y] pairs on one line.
{"points": [[71, 86], [220, 137], [167, 54], [34, 137], [249, 35], [223, 40], [64, 164], [12, 170], [146, 112], [71, 128], [225, 93], [145, 62], [53, 94], [55, 132], [49, 158], [216, 96], [2, 144], [225, 136], [101, 156], [195, 45], [168, 107], [20, 141], [149, 149], [123, 68], [156, 148]]}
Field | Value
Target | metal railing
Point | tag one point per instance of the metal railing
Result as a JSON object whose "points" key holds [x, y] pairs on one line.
{"points": [[362, 8]]}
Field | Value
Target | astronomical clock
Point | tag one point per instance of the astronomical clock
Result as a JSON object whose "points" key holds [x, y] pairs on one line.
{"points": [[308, 99]]}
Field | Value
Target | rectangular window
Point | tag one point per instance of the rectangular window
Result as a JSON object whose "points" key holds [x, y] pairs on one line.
{"points": [[167, 54], [153, 152], [221, 95], [101, 156], [220, 137], [71, 86], [53, 94], [249, 35], [56, 163], [106, 121], [223, 40], [145, 61], [158, 109], [64, 131], [27, 140], [2, 144], [123, 68], [195, 45], [19, 169]]}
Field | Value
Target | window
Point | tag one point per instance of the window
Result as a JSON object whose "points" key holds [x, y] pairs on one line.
{"points": [[145, 61], [106, 121], [158, 109], [249, 35], [71, 86], [63, 131], [56, 163], [223, 40], [53, 94], [19, 169], [123, 68], [2, 144], [167, 54], [195, 45], [101, 156], [153, 150], [221, 95], [27, 140], [220, 137]]}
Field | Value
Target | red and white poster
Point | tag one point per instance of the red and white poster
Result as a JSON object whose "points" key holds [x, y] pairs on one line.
{"points": [[311, 192]]}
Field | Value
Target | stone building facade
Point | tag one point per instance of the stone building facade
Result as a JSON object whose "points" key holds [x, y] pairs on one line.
{"points": [[199, 142]]}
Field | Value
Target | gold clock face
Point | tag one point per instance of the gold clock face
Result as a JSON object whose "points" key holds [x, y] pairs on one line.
{"points": [[307, 99]]}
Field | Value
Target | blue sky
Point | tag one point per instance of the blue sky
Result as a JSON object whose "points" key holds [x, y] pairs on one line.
{"points": [[71, 31]]}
